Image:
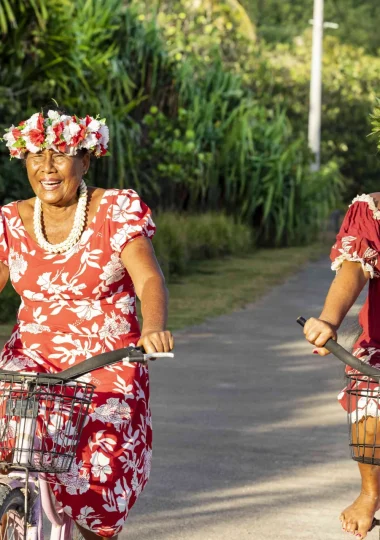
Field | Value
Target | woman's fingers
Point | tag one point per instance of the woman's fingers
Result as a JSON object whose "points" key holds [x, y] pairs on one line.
{"points": [[318, 332], [157, 341], [321, 351]]}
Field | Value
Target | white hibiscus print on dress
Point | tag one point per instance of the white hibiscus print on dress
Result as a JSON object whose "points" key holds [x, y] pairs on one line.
{"points": [[75, 482], [126, 208], [124, 234], [113, 271], [114, 326], [126, 304], [87, 309], [86, 514], [100, 466], [114, 411], [33, 328], [17, 265]]}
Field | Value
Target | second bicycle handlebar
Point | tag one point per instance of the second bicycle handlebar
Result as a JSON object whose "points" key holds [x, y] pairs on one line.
{"points": [[346, 357]]}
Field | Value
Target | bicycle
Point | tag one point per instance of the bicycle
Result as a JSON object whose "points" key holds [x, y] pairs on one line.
{"points": [[362, 450], [30, 449]]}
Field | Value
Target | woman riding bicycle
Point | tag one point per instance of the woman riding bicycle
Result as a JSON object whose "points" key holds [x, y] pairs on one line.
{"points": [[77, 256], [356, 258]]}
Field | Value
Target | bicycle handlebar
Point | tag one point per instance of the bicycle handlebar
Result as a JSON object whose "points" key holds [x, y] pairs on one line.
{"points": [[133, 354], [346, 357]]}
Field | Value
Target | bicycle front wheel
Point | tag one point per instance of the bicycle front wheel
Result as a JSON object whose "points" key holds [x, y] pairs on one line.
{"points": [[11, 513]]}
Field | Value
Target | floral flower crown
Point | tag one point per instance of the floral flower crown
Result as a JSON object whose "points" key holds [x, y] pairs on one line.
{"points": [[61, 133]]}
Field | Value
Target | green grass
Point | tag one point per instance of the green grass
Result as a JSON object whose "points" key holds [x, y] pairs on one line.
{"points": [[220, 286]]}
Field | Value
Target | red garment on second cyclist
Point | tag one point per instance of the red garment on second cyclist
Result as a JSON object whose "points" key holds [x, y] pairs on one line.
{"points": [[359, 241]]}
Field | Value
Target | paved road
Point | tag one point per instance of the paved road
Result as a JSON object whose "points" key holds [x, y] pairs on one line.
{"points": [[249, 439]]}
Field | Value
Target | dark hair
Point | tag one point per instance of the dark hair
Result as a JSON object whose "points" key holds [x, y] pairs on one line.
{"points": [[56, 108]]}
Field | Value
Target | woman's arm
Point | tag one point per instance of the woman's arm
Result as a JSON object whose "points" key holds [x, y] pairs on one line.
{"points": [[140, 261], [344, 290]]}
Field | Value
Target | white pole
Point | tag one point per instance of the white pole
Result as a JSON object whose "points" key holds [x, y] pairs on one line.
{"points": [[316, 85]]}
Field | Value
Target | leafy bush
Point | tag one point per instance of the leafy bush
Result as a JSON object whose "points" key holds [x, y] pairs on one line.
{"points": [[351, 80], [180, 95], [183, 238]]}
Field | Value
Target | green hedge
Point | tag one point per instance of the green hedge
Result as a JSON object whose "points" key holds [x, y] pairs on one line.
{"points": [[181, 239]]}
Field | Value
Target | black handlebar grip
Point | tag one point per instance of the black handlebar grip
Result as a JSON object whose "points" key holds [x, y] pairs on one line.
{"points": [[346, 357], [134, 354]]}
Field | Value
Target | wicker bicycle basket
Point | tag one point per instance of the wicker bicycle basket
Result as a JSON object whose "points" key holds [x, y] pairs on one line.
{"points": [[41, 420], [363, 403]]}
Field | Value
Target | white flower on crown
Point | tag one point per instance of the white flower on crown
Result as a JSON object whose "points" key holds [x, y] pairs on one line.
{"points": [[105, 133], [31, 123], [94, 125], [29, 145], [50, 135], [9, 136], [54, 115], [90, 141], [70, 130]]}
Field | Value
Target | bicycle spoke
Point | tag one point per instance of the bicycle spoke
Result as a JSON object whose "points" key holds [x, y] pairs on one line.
{"points": [[12, 526]]}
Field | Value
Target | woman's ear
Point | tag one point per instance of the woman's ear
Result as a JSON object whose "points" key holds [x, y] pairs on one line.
{"points": [[86, 162]]}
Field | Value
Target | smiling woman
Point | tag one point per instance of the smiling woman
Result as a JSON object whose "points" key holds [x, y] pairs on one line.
{"points": [[78, 256]]}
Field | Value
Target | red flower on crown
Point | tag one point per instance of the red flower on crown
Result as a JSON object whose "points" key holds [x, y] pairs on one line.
{"points": [[58, 130], [37, 135], [16, 133], [80, 136]]}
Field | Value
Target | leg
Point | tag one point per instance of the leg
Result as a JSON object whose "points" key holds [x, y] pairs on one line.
{"points": [[88, 535], [357, 518]]}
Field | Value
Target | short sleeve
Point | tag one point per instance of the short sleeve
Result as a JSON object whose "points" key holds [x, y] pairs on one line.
{"points": [[358, 239], [4, 250], [130, 218]]}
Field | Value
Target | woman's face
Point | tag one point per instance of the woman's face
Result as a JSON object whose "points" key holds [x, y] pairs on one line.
{"points": [[55, 177]]}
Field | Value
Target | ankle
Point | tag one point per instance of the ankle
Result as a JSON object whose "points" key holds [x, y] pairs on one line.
{"points": [[370, 494]]}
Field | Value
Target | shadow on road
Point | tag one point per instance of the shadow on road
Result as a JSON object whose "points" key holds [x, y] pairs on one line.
{"points": [[247, 427]]}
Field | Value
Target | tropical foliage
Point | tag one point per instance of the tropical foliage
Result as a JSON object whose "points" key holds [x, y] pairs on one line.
{"points": [[283, 20], [180, 86], [351, 81]]}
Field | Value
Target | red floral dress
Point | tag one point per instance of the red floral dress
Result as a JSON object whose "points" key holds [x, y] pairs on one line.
{"points": [[359, 241], [75, 305]]}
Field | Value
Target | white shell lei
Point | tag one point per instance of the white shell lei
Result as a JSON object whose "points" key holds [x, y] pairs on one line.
{"points": [[76, 231], [371, 203]]}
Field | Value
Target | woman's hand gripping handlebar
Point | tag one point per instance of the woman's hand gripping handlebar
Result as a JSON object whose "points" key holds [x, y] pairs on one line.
{"points": [[346, 357]]}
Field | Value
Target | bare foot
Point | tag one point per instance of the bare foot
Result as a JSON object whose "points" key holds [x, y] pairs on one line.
{"points": [[357, 518]]}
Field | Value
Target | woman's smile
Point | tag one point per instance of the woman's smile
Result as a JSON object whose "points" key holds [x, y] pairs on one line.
{"points": [[51, 184]]}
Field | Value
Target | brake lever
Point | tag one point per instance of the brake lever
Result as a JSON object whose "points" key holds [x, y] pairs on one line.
{"points": [[137, 355]]}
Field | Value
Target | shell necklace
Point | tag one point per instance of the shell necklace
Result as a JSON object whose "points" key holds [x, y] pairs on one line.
{"points": [[76, 231]]}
